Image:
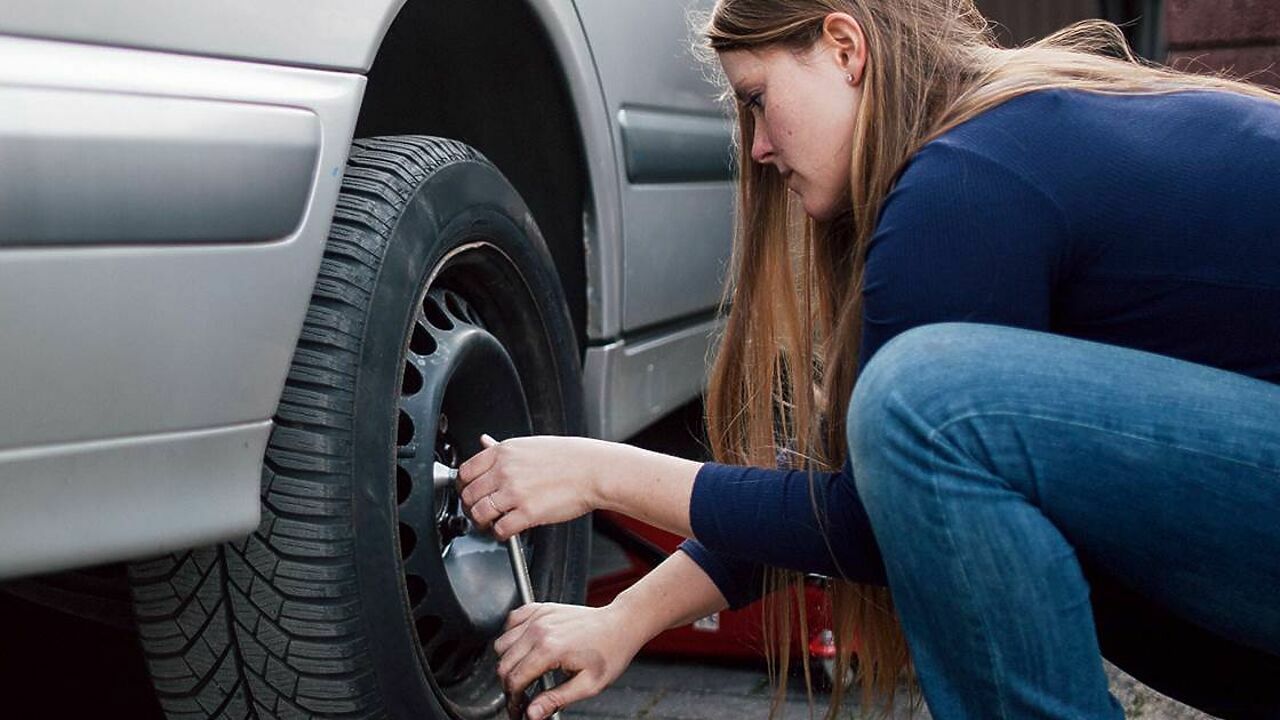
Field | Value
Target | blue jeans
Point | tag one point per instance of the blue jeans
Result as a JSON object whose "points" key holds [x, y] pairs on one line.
{"points": [[995, 462]]}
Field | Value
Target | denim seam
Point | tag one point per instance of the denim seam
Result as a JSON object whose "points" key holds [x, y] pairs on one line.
{"points": [[1090, 426], [983, 624]]}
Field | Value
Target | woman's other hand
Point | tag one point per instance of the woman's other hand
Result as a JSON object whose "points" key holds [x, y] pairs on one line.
{"points": [[591, 645], [529, 481]]}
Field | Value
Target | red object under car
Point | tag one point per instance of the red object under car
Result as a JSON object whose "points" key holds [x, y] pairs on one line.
{"points": [[731, 634]]}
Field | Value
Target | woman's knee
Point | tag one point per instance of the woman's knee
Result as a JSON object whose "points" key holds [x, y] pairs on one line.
{"points": [[914, 365], [914, 384]]}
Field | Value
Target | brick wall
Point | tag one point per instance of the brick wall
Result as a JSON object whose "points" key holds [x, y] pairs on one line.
{"points": [[1018, 21], [1239, 36]]}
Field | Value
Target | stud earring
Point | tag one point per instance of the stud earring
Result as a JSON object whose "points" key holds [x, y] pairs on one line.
{"points": [[849, 77]]}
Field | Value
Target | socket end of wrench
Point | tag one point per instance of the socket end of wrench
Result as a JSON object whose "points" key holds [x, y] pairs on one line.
{"points": [[443, 476]]}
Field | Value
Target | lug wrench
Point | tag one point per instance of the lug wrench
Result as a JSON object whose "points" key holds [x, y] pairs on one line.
{"points": [[444, 476]]}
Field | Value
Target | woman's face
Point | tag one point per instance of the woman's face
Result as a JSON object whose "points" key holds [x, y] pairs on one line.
{"points": [[805, 107]]}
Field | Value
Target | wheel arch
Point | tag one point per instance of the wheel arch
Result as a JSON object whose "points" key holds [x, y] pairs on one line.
{"points": [[516, 81]]}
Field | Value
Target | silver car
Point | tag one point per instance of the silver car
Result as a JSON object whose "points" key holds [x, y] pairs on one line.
{"points": [[229, 326]]}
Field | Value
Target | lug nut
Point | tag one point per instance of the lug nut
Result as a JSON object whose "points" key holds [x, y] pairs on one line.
{"points": [[458, 525]]}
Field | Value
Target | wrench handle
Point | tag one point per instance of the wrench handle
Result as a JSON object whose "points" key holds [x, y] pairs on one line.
{"points": [[524, 583]]}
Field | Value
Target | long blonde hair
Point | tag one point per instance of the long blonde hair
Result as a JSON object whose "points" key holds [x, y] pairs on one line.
{"points": [[786, 363]]}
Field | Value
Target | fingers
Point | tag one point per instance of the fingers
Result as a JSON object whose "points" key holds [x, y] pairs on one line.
{"points": [[486, 509], [480, 463], [541, 655], [488, 495], [512, 522], [505, 523], [579, 687], [519, 638], [537, 640], [515, 629], [476, 490], [520, 615], [512, 658]]}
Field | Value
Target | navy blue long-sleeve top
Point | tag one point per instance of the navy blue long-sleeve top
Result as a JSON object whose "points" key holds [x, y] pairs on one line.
{"points": [[1145, 221]]}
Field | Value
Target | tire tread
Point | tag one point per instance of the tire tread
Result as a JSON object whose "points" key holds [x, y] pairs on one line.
{"points": [[270, 626]]}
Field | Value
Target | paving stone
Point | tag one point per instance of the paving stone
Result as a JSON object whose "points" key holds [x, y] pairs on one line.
{"points": [[618, 701], [1141, 702], [685, 675], [665, 689], [718, 706]]}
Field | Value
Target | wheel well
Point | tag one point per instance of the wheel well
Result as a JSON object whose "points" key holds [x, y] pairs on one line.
{"points": [[484, 72]]}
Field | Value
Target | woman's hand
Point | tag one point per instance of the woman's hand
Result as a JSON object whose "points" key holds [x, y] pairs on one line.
{"points": [[592, 645], [529, 481]]}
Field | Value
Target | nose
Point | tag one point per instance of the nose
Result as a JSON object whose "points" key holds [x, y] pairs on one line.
{"points": [[761, 148]]}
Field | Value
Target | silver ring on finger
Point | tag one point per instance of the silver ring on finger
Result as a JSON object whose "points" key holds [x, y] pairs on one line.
{"points": [[493, 504]]}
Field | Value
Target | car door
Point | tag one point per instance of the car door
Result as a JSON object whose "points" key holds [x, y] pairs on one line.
{"points": [[673, 140]]}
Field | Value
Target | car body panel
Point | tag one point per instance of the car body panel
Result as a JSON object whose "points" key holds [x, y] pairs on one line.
{"points": [[132, 180], [338, 34], [86, 503], [124, 354], [630, 384]]}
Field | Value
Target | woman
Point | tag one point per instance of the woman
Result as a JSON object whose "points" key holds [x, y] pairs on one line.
{"points": [[1109, 235]]}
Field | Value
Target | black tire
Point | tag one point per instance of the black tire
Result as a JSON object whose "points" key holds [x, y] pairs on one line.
{"points": [[327, 610]]}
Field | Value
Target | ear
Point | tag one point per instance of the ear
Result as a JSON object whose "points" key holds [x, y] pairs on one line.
{"points": [[843, 36]]}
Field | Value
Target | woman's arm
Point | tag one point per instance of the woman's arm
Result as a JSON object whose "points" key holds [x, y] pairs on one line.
{"points": [[812, 523], [595, 645], [650, 487], [674, 594], [758, 514], [530, 481]]}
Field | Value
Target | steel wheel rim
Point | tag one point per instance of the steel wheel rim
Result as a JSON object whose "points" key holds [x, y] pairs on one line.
{"points": [[457, 381]]}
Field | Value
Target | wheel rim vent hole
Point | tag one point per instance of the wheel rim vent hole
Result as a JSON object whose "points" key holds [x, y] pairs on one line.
{"points": [[404, 429], [412, 379], [422, 343], [417, 588], [404, 485], [428, 626], [436, 316], [408, 540], [441, 654]]}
